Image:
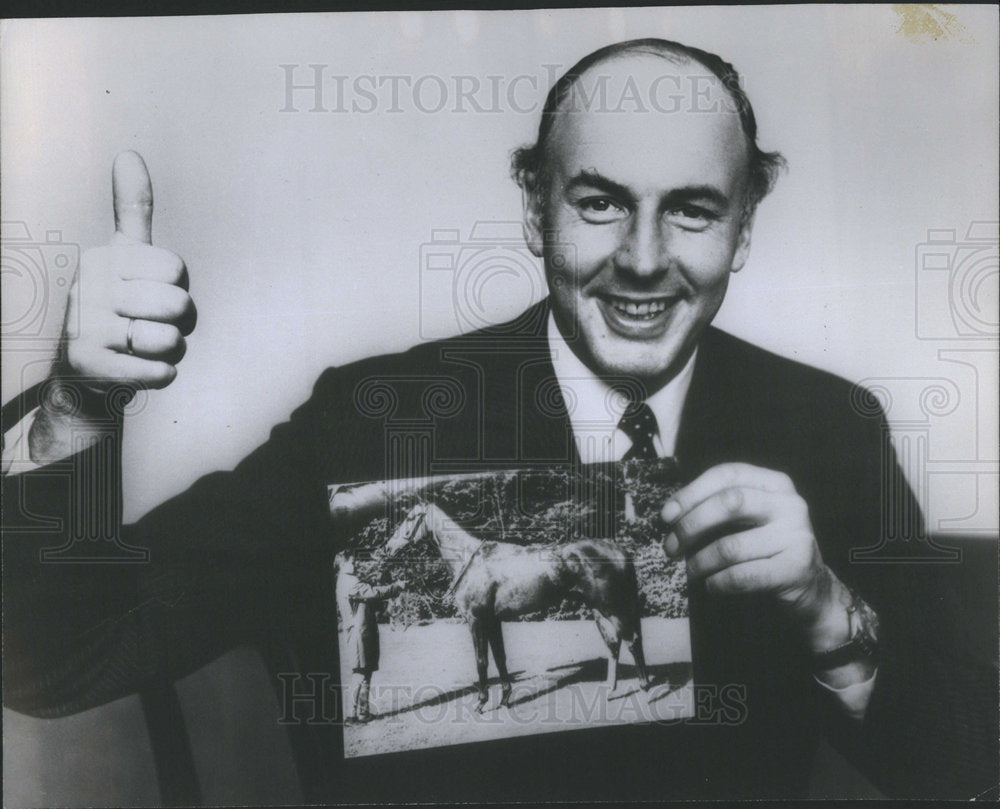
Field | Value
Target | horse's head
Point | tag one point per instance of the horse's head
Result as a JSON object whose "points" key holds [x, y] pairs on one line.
{"points": [[412, 529]]}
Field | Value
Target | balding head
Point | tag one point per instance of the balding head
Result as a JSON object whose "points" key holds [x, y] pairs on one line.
{"points": [[711, 85]]}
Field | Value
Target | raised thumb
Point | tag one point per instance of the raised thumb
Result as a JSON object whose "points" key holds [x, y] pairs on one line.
{"points": [[133, 197]]}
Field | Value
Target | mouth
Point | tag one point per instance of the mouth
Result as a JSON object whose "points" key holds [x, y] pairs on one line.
{"points": [[637, 317]]}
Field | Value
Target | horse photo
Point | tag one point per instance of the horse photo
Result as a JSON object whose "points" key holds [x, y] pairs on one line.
{"points": [[527, 562], [497, 581]]}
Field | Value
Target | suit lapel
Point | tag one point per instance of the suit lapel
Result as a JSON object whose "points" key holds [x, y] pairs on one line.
{"points": [[719, 424], [516, 414], [712, 427], [546, 430], [525, 394]]}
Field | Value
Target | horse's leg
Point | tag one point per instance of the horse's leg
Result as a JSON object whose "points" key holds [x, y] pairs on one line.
{"points": [[495, 635], [631, 632], [613, 640], [635, 647], [482, 659]]}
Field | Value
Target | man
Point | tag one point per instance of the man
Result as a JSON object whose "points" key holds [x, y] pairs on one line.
{"points": [[357, 602], [640, 220]]}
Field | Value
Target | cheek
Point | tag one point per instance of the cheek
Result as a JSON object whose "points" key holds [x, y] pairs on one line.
{"points": [[584, 248], [707, 262]]}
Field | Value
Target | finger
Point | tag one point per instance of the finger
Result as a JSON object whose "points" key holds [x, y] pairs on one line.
{"points": [[721, 477], [734, 549], [755, 576], [152, 264], [727, 511], [150, 340], [151, 300], [133, 198], [189, 319], [112, 366]]}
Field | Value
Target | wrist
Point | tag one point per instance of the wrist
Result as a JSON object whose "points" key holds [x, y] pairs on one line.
{"points": [[830, 625], [844, 641], [73, 415], [68, 394]]}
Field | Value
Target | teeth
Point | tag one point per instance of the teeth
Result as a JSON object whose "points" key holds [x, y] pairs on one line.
{"points": [[645, 310]]}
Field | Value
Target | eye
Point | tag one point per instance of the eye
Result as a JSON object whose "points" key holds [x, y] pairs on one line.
{"points": [[691, 217], [600, 209]]}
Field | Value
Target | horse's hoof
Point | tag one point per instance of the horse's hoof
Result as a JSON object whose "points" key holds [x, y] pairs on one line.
{"points": [[481, 706], [646, 685]]}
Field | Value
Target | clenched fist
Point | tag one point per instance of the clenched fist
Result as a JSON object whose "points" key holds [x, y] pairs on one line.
{"points": [[129, 298]]}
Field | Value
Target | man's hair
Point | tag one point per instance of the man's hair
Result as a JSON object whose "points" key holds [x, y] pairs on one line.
{"points": [[529, 164]]}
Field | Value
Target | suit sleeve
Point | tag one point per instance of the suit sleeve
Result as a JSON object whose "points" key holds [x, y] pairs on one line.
{"points": [[931, 725], [220, 565]]}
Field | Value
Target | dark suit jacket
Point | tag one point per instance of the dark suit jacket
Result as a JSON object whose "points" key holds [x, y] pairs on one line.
{"points": [[244, 557]]}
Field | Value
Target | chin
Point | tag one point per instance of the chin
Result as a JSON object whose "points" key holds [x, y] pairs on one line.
{"points": [[651, 364], [646, 369]]}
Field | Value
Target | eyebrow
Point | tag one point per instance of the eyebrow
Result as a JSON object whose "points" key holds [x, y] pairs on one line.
{"points": [[594, 179]]}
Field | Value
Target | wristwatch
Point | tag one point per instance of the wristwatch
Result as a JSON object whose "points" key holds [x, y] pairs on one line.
{"points": [[862, 645]]}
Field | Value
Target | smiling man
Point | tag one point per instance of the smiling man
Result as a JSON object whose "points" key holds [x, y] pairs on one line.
{"points": [[658, 207], [655, 204], [641, 217]]}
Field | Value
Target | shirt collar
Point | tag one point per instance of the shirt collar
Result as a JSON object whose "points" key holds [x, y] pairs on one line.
{"points": [[594, 408]]}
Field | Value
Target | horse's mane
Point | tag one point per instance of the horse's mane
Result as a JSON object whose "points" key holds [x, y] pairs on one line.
{"points": [[450, 524], [436, 518]]}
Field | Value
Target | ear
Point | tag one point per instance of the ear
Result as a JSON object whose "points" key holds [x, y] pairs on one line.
{"points": [[532, 208], [743, 243]]}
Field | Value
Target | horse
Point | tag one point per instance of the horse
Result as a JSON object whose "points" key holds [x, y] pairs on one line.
{"points": [[493, 581]]}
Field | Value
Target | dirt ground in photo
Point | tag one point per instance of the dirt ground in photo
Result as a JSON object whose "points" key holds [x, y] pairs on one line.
{"points": [[424, 694]]}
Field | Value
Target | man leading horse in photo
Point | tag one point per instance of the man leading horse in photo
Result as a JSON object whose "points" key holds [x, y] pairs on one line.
{"points": [[641, 218], [357, 604]]}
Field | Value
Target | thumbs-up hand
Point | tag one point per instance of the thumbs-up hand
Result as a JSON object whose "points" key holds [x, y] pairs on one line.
{"points": [[129, 299]]}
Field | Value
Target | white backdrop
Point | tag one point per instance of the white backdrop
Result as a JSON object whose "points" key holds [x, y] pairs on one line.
{"points": [[303, 230]]}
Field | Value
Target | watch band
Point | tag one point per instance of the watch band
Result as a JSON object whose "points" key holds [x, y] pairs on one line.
{"points": [[863, 642]]}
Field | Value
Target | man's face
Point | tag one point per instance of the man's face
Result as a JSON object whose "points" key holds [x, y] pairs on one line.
{"points": [[650, 205]]}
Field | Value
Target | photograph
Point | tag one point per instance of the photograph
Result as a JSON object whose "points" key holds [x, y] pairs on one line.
{"points": [[555, 572], [529, 405]]}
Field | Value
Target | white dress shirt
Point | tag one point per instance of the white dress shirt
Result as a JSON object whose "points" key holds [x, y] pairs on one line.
{"points": [[595, 407]]}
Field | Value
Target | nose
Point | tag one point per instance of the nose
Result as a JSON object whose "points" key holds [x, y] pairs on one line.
{"points": [[643, 250]]}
